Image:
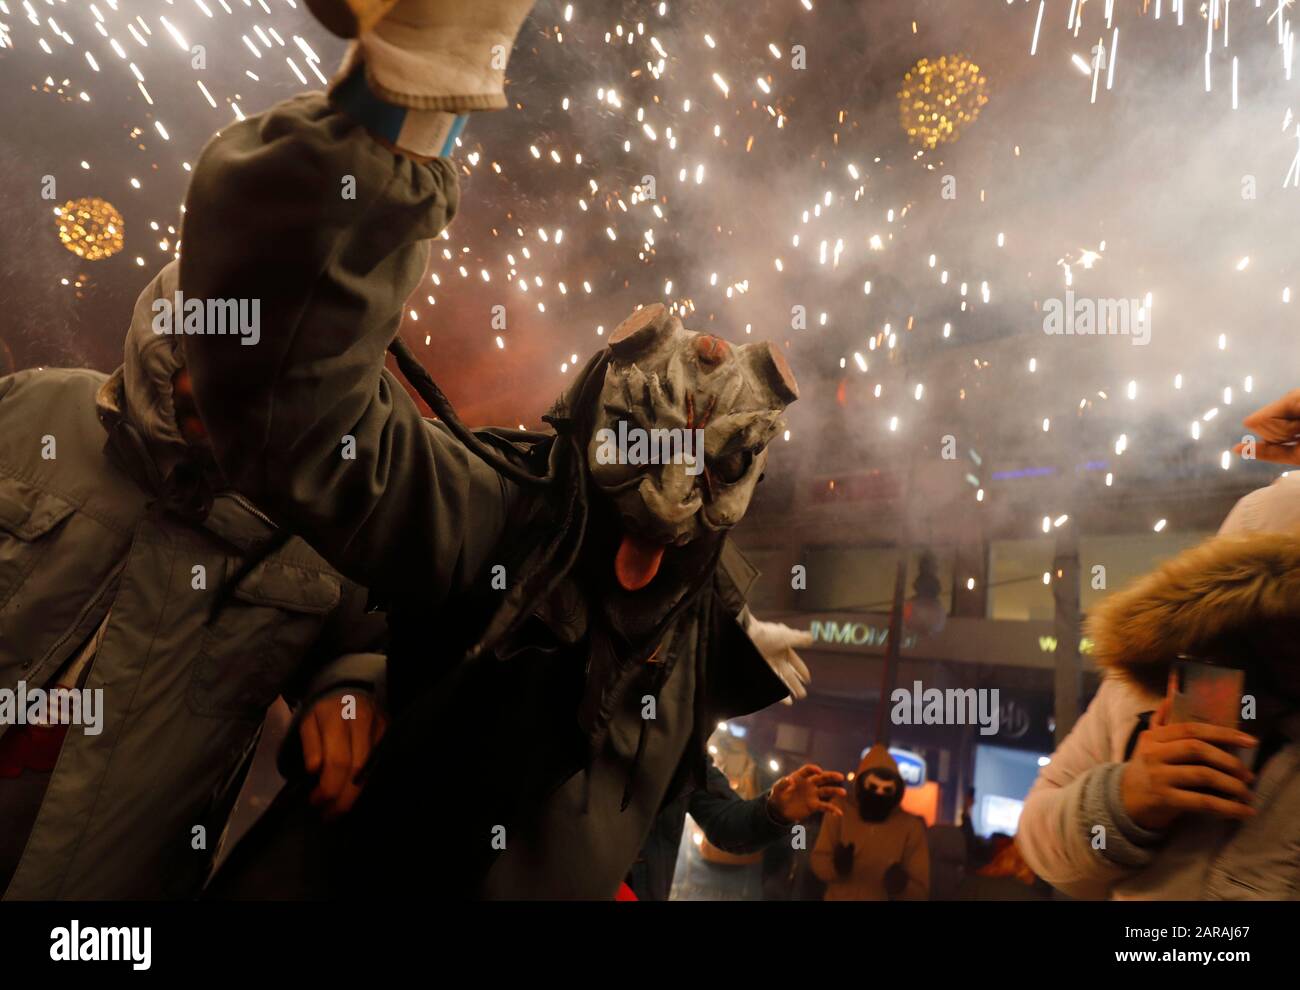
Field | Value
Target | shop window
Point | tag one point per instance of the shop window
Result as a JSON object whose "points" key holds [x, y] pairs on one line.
{"points": [[861, 579], [1015, 582], [1108, 563]]}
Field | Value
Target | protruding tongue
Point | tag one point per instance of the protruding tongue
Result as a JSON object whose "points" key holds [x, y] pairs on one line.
{"points": [[637, 562]]}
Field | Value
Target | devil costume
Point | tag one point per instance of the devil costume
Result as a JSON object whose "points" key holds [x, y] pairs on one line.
{"points": [[565, 632]]}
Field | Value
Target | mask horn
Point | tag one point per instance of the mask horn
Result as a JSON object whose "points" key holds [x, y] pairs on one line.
{"points": [[641, 332], [771, 368]]}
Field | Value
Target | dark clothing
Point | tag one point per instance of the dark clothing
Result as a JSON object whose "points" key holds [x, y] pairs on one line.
{"points": [[197, 627], [520, 689], [730, 822]]}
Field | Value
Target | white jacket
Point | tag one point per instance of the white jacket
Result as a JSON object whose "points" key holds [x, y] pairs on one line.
{"points": [[1073, 831]]}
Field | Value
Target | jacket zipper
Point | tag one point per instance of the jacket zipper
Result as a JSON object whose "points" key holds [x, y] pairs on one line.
{"points": [[245, 503]]}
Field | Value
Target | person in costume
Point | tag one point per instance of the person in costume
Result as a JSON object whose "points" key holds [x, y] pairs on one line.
{"points": [[566, 626]]}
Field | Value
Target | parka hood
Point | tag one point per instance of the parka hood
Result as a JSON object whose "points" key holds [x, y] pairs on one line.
{"points": [[878, 758], [1215, 593], [141, 389], [136, 405]]}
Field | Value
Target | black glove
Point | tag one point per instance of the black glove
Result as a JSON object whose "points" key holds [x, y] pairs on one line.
{"points": [[842, 857], [895, 880]]}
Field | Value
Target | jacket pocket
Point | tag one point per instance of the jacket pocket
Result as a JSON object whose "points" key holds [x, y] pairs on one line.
{"points": [[260, 638], [27, 514]]}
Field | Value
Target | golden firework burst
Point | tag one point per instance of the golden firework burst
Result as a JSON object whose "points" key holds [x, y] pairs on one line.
{"points": [[939, 97], [90, 227]]}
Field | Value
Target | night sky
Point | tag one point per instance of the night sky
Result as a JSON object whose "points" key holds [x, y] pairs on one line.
{"points": [[1154, 186]]}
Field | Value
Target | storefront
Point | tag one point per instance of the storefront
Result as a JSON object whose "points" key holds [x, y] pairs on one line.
{"points": [[974, 702]]}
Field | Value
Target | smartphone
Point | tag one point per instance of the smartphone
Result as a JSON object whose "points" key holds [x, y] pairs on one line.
{"points": [[1209, 692]]}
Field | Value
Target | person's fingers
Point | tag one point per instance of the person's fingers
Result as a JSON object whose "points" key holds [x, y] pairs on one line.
{"points": [[1196, 801], [1274, 453], [777, 662], [798, 637], [823, 777], [360, 728], [806, 771], [829, 793], [1277, 416], [309, 736], [782, 635], [336, 766], [1199, 778], [1161, 716], [347, 794], [826, 807], [1193, 751], [1277, 453], [796, 662], [791, 681]]}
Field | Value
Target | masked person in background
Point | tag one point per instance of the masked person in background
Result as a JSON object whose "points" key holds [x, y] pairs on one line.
{"points": [[165, 613], [873, 850], [566, 614]]}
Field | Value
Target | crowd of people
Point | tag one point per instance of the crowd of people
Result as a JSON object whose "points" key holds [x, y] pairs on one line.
{"points": [[215, 526]]}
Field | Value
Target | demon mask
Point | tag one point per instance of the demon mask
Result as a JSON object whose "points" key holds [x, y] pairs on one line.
{"points": [[680, 434]]}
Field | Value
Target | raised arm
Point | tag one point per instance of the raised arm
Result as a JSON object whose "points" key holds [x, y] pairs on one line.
{"points": [[317, 216], [301, 415]]}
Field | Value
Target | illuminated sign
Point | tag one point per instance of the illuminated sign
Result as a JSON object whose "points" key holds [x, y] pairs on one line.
{"points": [[911, 766], [1048, 644], [854, 634]]}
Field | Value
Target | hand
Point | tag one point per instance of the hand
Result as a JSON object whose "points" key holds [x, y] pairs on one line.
{"points": [[895, 880], [1276, 428], [433, 53], [1174, 765], [842, 857], [805, 792], [776, 642], [337, 748]]}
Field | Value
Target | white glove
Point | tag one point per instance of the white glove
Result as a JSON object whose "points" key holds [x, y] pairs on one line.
{"points": [[441, 54], [776, 641]]}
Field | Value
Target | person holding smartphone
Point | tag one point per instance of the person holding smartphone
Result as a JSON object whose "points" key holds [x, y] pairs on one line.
{"points": [[1182, 779]]}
